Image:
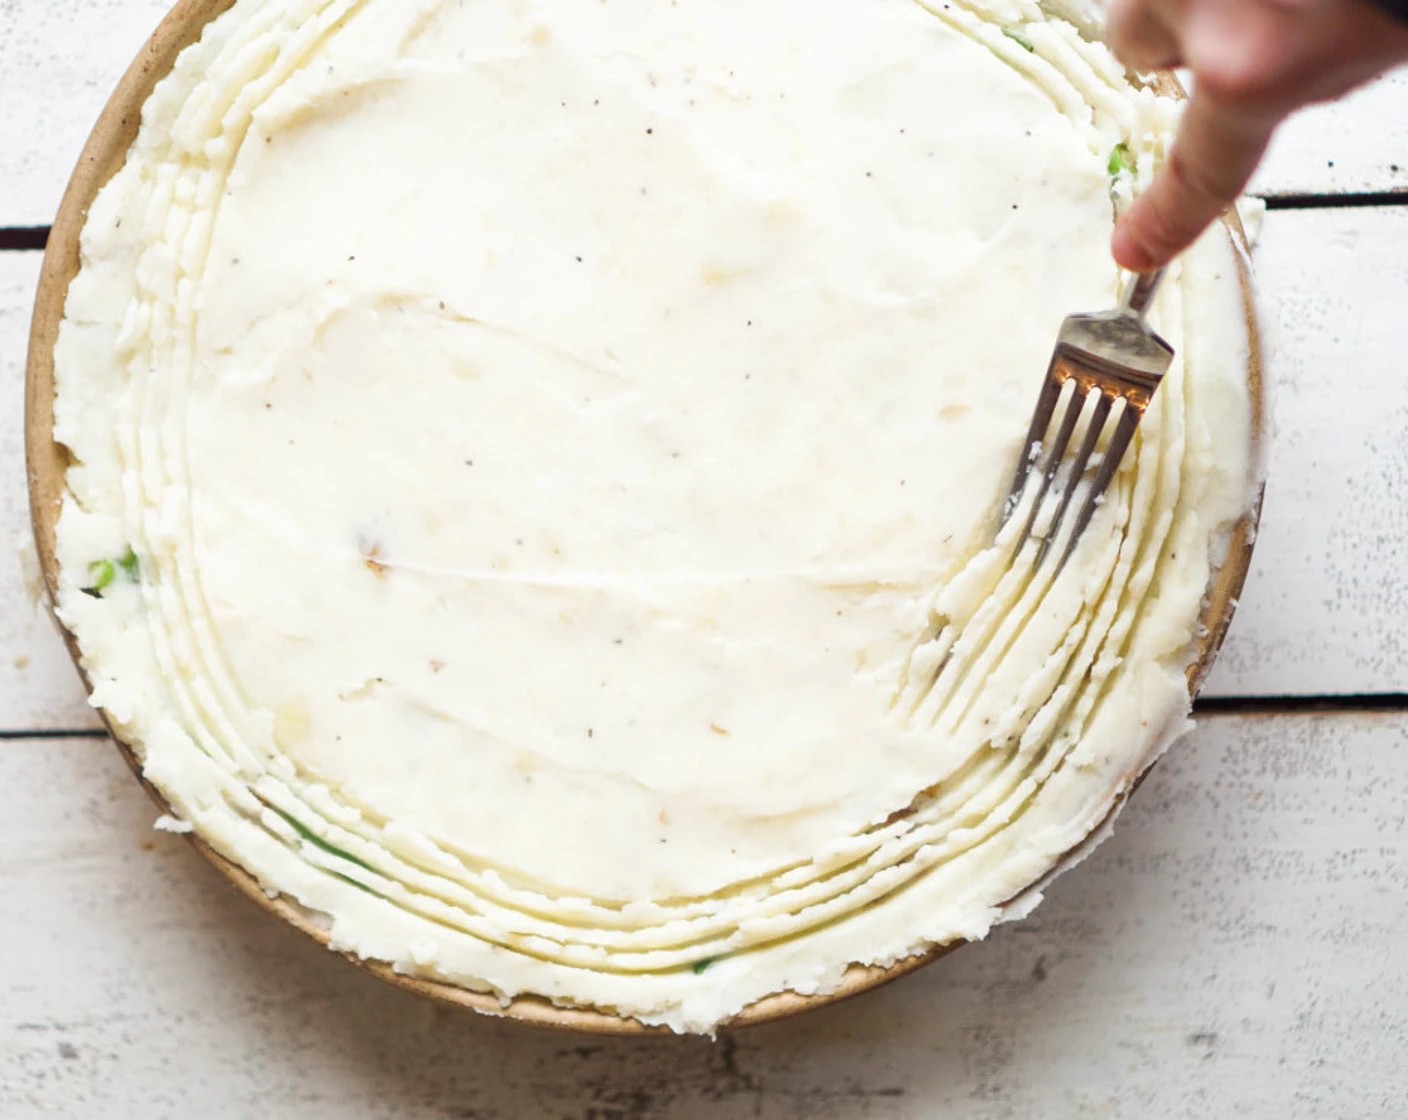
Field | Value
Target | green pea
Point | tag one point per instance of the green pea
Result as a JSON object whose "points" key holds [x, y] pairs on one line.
{"points": [[1121, 161], [101, 573], [130, 568]]}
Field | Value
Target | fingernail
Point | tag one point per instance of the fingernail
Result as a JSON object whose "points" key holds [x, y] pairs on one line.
{"points": [[1129, 252]]}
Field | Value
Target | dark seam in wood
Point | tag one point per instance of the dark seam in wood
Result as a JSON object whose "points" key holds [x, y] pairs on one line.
{"points": [[23, 238], [1300, 705], [1206, 706], [1351, 200]]}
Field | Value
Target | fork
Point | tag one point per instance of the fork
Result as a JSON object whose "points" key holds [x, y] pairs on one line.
{"points": [[1113, 362]]}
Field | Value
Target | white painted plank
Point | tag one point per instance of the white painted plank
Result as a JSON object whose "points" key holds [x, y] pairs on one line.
{"points": [[39, 688], [1326, 607], [61, 59], [1357, 145], [1233, 950]]}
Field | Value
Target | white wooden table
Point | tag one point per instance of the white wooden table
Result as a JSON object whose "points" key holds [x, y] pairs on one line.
{"points": [[1237, 949]]}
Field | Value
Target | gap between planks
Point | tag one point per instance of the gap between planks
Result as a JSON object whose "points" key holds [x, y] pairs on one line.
{"points": [[30, 238], [1210, 707], [1347, 201], [23, 238]]}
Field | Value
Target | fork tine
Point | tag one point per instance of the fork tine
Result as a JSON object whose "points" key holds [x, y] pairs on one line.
{"points": [[1100, 413], [1125, 425], [1036, 434], [1052, 452]]}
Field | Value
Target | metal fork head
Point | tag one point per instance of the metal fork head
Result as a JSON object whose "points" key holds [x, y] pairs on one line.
{"points": [[1100, 383]]}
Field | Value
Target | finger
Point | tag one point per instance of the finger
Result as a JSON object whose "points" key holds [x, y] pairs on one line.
{"points": [[1144, 34], [1216, 151]]}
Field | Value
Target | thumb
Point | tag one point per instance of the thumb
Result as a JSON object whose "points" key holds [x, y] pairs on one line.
{"points": [[1213, 158]]}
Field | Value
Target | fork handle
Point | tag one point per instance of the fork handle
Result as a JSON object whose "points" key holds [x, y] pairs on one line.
{"points": [[1140, 292]]}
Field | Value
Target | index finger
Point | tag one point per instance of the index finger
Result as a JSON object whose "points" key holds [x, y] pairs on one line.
{"points": [[1213, 158]]}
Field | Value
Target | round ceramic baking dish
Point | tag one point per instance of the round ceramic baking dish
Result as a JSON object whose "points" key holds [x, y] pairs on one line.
{"points": [[47, 463]]}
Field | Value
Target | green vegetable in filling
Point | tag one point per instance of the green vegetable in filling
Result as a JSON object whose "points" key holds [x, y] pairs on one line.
{"points": [[311, 837], [129, 565], [1019, 38], [360, 886], [1121, 161], [101, 573]]}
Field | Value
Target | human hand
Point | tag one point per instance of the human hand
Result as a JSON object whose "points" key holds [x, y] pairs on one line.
{"points": [[1253, 63]]}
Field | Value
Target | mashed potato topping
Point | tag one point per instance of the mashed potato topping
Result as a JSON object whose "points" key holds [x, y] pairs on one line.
{"points": [[536, 469]]}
